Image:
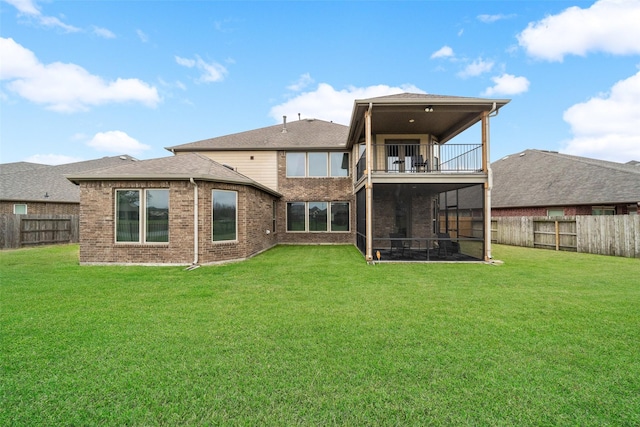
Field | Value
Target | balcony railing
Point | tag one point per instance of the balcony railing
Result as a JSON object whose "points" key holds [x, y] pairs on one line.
{"points": [[416, 158]]}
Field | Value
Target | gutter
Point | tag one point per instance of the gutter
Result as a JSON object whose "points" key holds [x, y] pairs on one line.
{"points": [[195, 225]]}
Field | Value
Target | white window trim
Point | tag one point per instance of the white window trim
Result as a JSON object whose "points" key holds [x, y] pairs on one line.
{"points": [[142, 214], [306, 217], [26, 208], [306, 165], [212, 211]]}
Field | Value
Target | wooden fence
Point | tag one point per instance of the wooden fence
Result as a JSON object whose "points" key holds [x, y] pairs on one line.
{"points": [[18, 231], [616, 235]]}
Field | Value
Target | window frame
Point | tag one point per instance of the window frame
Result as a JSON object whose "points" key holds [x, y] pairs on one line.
{"points": [[235, 239], [142, 217], [26, 208], [329, 173], [329, 219]]}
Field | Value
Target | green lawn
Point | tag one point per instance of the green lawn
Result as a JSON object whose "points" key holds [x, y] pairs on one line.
{"points": [[315, 336]]}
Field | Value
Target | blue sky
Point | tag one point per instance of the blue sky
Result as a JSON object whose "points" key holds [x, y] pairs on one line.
{"points": [[86, 79]]}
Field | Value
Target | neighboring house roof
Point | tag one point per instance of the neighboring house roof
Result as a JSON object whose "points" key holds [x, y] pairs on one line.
{"points": [[28, 183], [19, 167], [183, 167], [442, 116], [300, 134], [545, 178]]}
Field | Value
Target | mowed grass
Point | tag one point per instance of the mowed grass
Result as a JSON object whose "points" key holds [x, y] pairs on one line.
{"points": [[315, 336]]}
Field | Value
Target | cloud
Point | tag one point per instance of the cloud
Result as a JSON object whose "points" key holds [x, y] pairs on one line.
{"points": [[606, 126], [490, 19], [443, 52], [104, 33], [507, 84], [142, 36], [65, 87], [210, 71], [302, 82], [327, 103], [477, 67], [115, 141], [52, 159], [609, 26], [29, 9]]}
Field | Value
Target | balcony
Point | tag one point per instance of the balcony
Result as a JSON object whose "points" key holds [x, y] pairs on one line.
{"points": [[423, 159]]}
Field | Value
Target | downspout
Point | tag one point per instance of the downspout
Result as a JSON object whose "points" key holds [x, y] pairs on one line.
{"points": [[487, 202], [195, 223], [369, 186]]}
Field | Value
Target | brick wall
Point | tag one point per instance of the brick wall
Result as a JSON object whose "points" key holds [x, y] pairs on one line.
{"points": [[313, 190], [97, 224], [542, 211]]}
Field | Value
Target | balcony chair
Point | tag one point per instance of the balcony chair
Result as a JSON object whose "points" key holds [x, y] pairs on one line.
{"points": [[418, 162]]}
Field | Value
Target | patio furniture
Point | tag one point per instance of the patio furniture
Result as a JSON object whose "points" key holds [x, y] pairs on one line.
{"points": [[398, 243], [418, 162], [446, 246]]}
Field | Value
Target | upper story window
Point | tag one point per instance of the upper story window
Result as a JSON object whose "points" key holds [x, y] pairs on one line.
{"points": [[142, 216], [317, 164]]}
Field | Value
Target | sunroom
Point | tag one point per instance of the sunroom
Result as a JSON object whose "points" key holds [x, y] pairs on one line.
{"points": [[422, 183]]}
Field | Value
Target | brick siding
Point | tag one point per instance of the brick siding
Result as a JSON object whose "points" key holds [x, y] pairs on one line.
{"points": [[42, 208]]}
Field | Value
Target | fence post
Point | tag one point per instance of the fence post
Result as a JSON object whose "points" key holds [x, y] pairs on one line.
{"points": [[557, 236]]}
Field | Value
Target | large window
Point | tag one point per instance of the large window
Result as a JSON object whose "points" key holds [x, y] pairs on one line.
{"points": [[317, 164], [142, 218], [318, 216], [225, 215]]}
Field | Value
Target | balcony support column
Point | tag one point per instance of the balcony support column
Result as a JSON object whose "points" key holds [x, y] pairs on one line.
{"points": [[369, 185], [486, 168]]}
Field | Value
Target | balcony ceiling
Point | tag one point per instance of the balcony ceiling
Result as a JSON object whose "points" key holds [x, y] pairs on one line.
{"points": [[443, 117]]}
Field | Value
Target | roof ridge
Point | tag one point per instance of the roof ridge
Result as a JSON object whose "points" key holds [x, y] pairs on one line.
{"points": [[595, 162]]}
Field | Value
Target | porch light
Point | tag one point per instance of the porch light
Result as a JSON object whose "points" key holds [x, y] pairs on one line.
{"points": [[429, 109], [411, 120]]}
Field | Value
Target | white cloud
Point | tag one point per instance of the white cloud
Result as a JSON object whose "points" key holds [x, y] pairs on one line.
{"points": [[302, 82], [606, 126], [507, 84], [490, 19], [65, 87], [142, 36], [52, 159], [477, 67], [28, 8], [443, 52], [116, 141], [609, 26], [104, 33], [210, 71], [327, 103]]}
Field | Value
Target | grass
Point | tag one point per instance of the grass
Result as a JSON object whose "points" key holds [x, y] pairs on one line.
{"points": [[314, 336]]}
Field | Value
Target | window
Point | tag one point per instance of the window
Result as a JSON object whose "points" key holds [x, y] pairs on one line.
{"points": [[296, 216], [603, 210], [296, 164], [339, 216], [555, 212], [225, 218], [131, 225], [317, 164], [318, 216], [20, 209]]}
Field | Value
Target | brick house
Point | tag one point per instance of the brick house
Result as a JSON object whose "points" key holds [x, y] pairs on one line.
{"points": [[386, 184], [546, 183], [33, 188]]}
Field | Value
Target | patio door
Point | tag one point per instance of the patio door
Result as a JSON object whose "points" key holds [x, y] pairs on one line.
{"points": [[399, 154]]}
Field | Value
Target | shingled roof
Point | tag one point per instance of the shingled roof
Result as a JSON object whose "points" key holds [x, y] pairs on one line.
{"points": [[545, 178], [299, 134], [179, 167], [32, 182]]}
